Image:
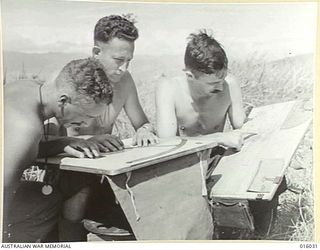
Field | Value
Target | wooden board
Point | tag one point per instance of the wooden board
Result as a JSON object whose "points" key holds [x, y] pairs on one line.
{"points": [[133, 158], [280, 128], [166, 201]]}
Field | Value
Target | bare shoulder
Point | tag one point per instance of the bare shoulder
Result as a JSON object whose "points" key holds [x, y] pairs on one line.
{"points": [[168, 85], [20, 105]]}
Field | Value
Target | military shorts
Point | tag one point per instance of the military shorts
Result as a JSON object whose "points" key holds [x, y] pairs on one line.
{"points": [[34, 214]]}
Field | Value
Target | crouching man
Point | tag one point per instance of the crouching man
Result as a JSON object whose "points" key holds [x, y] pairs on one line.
{"points": [[81, 92]]}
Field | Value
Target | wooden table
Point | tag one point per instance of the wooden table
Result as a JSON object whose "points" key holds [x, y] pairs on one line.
{"points": [[160, 188]]}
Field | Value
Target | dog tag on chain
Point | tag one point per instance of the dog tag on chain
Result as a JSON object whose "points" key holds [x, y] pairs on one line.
{"points": [[47, 189]]}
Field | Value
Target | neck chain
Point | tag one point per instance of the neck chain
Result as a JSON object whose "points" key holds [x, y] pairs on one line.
{"points": [[46, 189]]}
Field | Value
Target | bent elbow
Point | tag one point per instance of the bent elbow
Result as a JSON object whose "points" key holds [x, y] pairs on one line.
{"points": [[237, 124]]}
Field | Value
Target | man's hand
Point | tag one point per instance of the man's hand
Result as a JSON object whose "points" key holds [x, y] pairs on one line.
{"points": [[144, 136], [81, 148], [107, 143], [233, 139], [93, 146]]}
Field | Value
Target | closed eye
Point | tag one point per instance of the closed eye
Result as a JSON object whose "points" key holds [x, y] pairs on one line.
{"points": [[76, 123], [119, 59], [92, 116]]}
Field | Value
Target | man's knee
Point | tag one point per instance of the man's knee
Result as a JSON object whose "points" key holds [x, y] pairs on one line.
{"points": [[74, 208]]}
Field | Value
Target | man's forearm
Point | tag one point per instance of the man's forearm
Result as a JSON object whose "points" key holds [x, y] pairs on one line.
{"points": [[217, 137], [147, 126], [54, 146]]}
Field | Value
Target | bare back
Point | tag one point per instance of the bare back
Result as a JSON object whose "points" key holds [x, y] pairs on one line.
{"points": [[22, 126]]}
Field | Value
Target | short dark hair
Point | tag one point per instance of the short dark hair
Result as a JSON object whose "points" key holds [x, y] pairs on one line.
{"points": [[87, 78], [112, 26], [205, 54]]}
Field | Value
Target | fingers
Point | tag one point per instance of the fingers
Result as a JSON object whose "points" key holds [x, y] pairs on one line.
{"points": [[111, 143], [146, 139], [110, 147], [106, 143], [71, 151], [115, 142], [81, 148], [91, 149], [153, 139]]}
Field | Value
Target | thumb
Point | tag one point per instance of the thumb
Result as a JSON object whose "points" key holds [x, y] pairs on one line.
{"points": [[71, 151]]}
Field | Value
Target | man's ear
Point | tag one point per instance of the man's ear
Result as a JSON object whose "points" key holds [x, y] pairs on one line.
{"points": [[189, 74], [63, 100], [95, 51]]}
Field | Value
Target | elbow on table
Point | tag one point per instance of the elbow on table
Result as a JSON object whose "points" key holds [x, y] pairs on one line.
{"points": [[237, 124]]}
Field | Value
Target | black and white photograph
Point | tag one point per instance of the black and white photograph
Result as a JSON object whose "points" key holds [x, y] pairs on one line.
{"points": [[150, 121]]}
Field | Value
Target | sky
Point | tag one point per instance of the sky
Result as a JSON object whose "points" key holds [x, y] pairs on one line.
{"points": [[275, 30]]}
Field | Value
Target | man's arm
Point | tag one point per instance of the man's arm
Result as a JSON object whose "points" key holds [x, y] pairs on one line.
{"points": [[132, 105], [20, 150], [74, 144], [137, 116], [165, 110], [235, 112]]}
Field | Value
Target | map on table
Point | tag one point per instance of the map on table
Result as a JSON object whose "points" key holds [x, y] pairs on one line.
{"points": [[258, 169], [133, 157]]}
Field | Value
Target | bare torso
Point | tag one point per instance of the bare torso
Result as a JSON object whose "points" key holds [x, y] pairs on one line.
{"points": [[203, 116]]}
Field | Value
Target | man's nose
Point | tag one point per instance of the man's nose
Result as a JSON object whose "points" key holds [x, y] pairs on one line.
{"points": [[123, 67], [219, 87]]}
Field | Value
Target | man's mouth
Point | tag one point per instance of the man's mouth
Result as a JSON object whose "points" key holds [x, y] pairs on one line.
{"points": [[215, 91]]}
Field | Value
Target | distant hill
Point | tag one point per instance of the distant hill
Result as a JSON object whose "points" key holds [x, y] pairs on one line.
{"points": [[46, 66], [42, 65]]}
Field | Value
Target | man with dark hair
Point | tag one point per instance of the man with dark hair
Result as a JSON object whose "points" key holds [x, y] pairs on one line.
{"points": [[199, 103], [114, 38], [80, 93], [207, 95]]}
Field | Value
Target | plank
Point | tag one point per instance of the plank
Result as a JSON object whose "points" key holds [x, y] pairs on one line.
{"points": [[168, 202], [132, 158], [278, 136]]}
